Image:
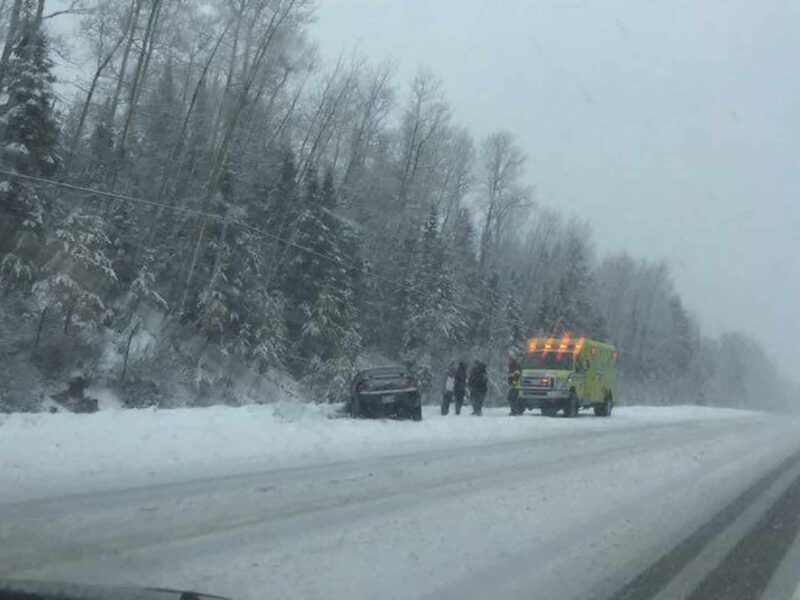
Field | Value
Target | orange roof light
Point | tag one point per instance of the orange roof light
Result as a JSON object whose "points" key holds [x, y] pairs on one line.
{"points": [[579, 346], [564, 344], [532, 345], [548, 345]]}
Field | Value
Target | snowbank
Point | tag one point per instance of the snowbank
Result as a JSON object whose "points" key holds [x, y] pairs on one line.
{"points": [[44, 455]]}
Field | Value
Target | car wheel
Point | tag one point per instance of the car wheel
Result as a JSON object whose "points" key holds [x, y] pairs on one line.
{"points": [[416, 413], [355, 411]]}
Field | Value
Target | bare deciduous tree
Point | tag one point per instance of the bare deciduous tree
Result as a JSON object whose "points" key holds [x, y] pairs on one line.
{"points": [[505, 194]]}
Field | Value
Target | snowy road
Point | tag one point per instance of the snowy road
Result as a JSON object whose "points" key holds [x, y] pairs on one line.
{"points": [[644, 507]]}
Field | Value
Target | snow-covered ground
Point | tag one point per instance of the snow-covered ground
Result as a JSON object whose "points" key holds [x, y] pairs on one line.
{"points": [[63, 453], [283, 501]]}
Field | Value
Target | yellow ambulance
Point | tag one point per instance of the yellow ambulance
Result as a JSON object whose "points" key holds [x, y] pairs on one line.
{"points": [[569, 374]]}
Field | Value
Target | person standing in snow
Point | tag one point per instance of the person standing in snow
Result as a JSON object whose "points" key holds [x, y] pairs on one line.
{"points": [[514, 386], [478, 386], [449, 388], [460, 385]]}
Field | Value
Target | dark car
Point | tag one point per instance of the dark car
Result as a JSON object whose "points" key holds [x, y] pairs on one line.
{"points": [[385, 392]]}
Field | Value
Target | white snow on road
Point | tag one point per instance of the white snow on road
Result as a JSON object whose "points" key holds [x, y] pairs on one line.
{"points": [[44, 455], [542, 508]]}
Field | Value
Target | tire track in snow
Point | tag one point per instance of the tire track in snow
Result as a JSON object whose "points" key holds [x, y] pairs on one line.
{"points": [[29, 548]]}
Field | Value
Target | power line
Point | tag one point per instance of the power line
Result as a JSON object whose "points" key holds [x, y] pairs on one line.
{"points": [[220, 218]]}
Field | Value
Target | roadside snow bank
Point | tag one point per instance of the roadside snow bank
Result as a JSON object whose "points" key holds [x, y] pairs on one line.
{"points": [[43, 455]]}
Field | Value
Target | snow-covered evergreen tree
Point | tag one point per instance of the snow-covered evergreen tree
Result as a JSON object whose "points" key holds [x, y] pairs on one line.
{"points": [[321, 279], [219, 302], [393, 292], [435, 326], [304, 268], [99, 157], [422, 289], [143, 287], [215, 316], [28, 145], [79, 274], [159, 127], [269, 336]]}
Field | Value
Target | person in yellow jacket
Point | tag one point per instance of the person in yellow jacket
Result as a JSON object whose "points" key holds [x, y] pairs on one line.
{"points": [[514, 387]]}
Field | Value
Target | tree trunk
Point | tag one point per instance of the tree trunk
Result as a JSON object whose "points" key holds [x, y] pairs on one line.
{"points": [[37, 22], [68, 318], [231, 71], [134, 329], [248, 47], [42, 315], [177, 147], [136, 8], [364, 131], [138, 78], [324, 135], [287, 115], [268, 110], [221, 156], [11, 37], [89, 96], [180, 138], [319, 111]]}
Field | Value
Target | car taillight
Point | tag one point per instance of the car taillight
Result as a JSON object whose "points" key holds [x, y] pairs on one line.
{"points": [[544, 381], [361, 388], [411, 384]]}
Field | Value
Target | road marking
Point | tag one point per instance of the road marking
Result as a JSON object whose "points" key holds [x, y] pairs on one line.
{"points": [[712, 555], [658, 575], [785, 581], [747, 570]]}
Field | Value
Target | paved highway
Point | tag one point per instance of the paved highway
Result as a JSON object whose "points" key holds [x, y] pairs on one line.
{"points": [[709, 509]]}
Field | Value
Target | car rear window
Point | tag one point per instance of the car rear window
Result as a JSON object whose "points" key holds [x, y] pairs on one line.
{"points": [[384, 380]]}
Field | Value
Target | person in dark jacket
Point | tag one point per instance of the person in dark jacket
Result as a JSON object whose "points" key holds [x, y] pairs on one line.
{"points": [[514, 386], [460, 386], [478, 386]]}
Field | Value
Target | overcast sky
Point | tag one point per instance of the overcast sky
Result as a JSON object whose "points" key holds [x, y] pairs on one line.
{"points": [[672, 126]]}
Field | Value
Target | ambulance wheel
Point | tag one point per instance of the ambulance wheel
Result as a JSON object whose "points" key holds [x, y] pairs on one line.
{"points": [[604, 409], [571, 406]]}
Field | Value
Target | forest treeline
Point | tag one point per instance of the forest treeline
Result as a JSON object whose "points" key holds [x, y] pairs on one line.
{"points": [[218, 204]]}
